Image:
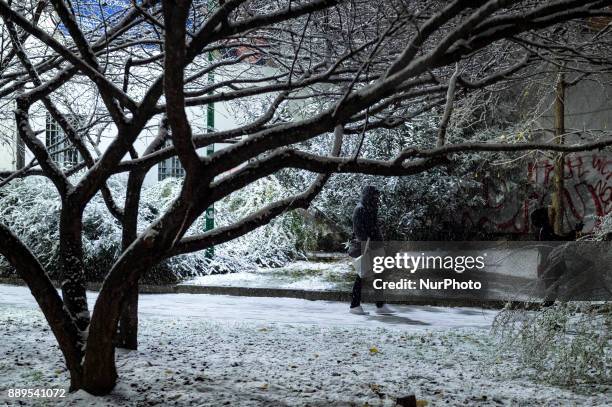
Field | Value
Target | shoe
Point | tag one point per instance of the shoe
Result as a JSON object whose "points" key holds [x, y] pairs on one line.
{"points": [[385, 310], [358, 310]]}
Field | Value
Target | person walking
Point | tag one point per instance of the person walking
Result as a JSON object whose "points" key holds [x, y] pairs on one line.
{"points": [[365, 227]]}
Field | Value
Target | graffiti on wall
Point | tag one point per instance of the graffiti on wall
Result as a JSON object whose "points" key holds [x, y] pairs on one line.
{"points": [[587, 193]]}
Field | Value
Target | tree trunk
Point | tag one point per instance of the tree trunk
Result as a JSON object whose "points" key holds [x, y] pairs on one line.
{"points": [[39, 283], [557, 198], [99, 370], [127, 335], [72, 269]]}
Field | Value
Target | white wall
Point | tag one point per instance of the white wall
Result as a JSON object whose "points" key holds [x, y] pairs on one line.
{"points": [[588, 105], [197, 117], [226, 118], [228, 115], [7, 138], [7, 158]]}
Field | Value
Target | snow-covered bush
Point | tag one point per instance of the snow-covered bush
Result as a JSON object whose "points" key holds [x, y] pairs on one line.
{"points": [[30, 207], [567, 344], [420, 207], [425, 206], [272, 245], [602, 230]]}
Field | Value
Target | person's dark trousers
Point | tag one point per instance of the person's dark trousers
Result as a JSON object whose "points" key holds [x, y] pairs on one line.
{"points": [[356, 295]]}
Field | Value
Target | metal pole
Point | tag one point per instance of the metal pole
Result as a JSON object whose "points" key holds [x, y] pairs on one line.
{"points": [[210, 127]]}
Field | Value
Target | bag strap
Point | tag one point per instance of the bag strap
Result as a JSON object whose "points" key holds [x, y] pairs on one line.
{"points": [[367, 246]]}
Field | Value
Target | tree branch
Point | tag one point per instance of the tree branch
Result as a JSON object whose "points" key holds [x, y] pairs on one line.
{"points": [[264, 215], [45, 294]]}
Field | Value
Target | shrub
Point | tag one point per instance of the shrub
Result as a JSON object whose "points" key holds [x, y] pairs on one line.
{"points": [[567, 344], [425, 206], [30, 207]]}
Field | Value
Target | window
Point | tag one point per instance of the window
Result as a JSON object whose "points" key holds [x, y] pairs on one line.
{"points": [[170, 168], [61, 149]]}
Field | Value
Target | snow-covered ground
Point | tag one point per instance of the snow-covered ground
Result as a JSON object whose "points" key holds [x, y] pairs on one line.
{"points": [[299, 275], [205, 350], [339, 275]]}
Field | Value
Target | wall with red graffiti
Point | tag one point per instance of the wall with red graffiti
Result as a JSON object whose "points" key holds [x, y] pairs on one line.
{"points": [[508, 202]]}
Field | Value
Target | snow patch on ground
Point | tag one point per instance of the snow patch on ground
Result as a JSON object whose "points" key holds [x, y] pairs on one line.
{"points": [[205, 350], [299, 275]]}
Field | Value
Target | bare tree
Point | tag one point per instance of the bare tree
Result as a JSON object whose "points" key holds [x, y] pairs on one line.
{"points": [[364, 65]]}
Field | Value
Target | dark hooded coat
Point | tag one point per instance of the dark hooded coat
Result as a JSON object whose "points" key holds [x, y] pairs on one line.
{"points": [[365, 220]]}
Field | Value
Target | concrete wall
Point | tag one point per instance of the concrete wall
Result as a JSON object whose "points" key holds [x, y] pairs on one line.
{"points": [[588, 186], [587, 193], [588, 105]]}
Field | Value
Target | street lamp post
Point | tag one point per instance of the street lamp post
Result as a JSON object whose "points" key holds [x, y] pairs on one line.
{"points": [[210, 127]]}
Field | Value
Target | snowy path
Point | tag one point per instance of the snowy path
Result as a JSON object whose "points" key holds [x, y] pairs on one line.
{"points": [[223, 308], [202, 350]]}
